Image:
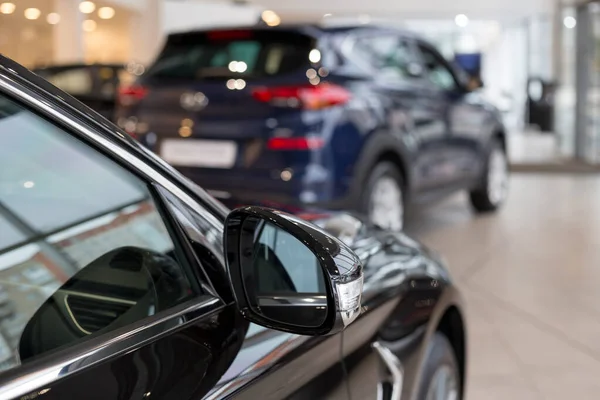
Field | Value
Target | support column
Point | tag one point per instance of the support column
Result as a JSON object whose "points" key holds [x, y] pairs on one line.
{"points": [[557, 42], [68, 43], [146, 32], [583, 51]]}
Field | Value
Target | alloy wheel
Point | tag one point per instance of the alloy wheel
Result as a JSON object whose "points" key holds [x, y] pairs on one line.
{"points": [[443, 385], [386, 208], [497, 179]]}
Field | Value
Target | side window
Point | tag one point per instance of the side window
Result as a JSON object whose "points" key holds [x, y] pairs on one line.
{"points": [[436, 70], [388, 56], [83, 247]]}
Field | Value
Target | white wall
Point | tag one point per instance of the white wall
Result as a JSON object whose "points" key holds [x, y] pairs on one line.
{"points": [[132, 5], [149, 27], [505, 69], [181, 16], [477, 9]]}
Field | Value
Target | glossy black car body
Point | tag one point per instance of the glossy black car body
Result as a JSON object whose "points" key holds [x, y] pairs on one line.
{"points": [[203, 347], [344, 108]]}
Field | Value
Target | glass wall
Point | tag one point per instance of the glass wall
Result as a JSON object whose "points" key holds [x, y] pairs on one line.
{"points": [[565, 98], [592, 98], [578, 99]]}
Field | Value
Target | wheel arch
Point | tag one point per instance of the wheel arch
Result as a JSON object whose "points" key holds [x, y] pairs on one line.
{"points": [[381, 147], [395, 158], [500, 135]]}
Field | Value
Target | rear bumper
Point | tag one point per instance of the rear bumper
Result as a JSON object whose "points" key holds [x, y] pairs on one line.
{"points": [[307, 188]]}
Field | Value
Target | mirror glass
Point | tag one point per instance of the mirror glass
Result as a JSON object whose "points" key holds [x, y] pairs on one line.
{"points": [[283, 278]]}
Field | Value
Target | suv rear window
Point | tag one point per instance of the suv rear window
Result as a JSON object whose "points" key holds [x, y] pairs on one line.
{"points": [[233, 53]]}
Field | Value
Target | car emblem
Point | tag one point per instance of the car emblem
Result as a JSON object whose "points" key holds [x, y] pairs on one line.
{"points": [[193, 101]]}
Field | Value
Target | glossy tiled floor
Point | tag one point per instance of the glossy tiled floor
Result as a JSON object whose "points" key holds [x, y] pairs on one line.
{"points": [[531, 277]]}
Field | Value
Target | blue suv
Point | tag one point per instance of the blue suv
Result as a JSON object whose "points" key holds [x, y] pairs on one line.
{"points": [[359, 118]]}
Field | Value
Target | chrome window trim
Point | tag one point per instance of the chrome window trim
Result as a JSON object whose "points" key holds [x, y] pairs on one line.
{"points": [[15, 382], [15, 89]]}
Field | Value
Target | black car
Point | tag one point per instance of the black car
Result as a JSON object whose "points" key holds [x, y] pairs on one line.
{"points": [[95, 85], [121, 279], [358, 118]]}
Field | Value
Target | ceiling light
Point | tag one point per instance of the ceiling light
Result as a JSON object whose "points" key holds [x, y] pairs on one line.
{"points": [[106, 12], [271, 18], [461, 20], [327, 15], [7, 8], [32, 13], [53, 18], [87, 7], [570, 22], [89, 25]]}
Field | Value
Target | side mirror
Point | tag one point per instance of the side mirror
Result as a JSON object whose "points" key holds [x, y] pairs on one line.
{"points": [[289, 275], [474, 83]]}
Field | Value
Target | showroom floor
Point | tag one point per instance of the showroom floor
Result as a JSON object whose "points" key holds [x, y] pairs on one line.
{"points": [[530, 275]]}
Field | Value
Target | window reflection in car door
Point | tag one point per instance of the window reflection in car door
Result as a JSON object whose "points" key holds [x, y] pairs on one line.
{"points": [[83, 248]]}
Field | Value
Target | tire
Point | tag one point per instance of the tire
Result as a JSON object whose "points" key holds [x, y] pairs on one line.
{"points": [[493, 188], [441, 368], [382, 199]]}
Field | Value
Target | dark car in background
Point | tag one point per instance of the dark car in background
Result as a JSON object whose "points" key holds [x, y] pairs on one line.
{"points": [[127, 281], [360, 118], [95, 85]]}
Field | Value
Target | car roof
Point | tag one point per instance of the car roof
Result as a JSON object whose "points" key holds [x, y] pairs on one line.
{"points": [[313, 29]]}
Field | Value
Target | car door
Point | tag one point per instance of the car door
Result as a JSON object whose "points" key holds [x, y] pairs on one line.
{"points": [[414, 111], [113, 283], [101, 299], [464, 118]]}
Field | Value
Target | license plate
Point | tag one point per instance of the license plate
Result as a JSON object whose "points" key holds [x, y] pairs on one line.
{"points": [[199, 153]]}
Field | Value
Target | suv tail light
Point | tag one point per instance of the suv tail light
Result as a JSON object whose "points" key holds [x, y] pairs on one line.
{"points": [[307, 97], [295, 143], [130, 95]]}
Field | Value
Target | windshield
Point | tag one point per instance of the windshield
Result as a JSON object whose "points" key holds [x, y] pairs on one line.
{"points": [[226, 54]]}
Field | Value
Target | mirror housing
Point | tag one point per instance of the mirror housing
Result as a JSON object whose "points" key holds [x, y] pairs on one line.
{"points": [[335, 306]]}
